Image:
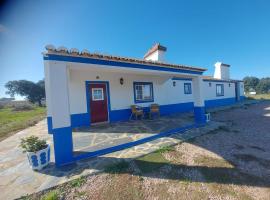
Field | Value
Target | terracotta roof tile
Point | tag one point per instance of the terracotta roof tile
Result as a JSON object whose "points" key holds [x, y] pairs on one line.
{"points": [[87, 54], [211, 78]]}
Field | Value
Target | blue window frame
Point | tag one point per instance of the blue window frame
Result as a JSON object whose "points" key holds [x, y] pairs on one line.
{"points": [[143, 92], [187, 88], [219, 90]]}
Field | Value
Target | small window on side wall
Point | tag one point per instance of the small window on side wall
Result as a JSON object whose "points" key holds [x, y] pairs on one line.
{"points": [[143, 92], [219, 89], [187, 88]]}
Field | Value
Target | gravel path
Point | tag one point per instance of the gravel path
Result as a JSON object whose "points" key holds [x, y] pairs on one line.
{"points": [[231, 163]]}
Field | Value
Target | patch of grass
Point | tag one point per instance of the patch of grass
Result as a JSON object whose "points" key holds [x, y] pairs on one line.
{"points": [[11, 121], [259, 96], [78, 182], [120, 167], [166, 149], [52, 195], [151, 162]]}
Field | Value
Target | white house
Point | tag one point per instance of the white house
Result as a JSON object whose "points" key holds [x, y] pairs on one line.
{"points": [[84, 88]]}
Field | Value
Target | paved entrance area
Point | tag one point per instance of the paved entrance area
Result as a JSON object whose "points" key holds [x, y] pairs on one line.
{"points": [[18, 179], [107, 135]]}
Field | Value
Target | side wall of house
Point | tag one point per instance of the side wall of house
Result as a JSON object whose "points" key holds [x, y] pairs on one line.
{"points": [[211, 98]]}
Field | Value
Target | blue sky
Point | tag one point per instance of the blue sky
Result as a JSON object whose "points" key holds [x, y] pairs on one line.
{"points": [[196, 32]]}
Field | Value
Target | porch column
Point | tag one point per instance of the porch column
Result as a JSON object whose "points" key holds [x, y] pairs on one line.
{"points": [[56, 84], [199, 108]]}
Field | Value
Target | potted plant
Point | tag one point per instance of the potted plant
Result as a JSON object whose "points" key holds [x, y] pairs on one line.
{"points": [[38, 152]]}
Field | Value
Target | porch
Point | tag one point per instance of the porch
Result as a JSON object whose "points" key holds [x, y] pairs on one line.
{"points": [[103, 136]]}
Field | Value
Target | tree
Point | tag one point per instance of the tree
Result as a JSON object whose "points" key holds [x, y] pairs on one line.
{"points": [[250, 83], [263, 86], [34, 92]]}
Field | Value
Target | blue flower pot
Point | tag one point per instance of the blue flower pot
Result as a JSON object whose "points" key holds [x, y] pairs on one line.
{"points": [[40, 159]]}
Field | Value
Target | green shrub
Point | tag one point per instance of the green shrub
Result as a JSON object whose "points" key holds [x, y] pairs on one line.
{"points": [[22, 107], [53, 195], [2, 105], [78, 182], [166, 149], [32, 144]]}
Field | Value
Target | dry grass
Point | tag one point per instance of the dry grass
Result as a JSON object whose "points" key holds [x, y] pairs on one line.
{"points": [[259, 96], [12, 121]]}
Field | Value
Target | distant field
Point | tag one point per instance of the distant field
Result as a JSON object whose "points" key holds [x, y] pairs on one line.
{"points": [[259, 96], [12, 121]]}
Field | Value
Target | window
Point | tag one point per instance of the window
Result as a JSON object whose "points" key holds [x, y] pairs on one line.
{"points": [[220, 90], [187, 88], [143, 92], [210, 84], [97, 94]]}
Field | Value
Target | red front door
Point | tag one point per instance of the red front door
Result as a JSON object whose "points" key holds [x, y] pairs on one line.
{"points": [[98, 102]]}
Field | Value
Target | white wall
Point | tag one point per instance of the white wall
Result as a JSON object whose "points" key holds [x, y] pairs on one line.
{"points": [[47, 87], [222, 71], [57, 93], [122, 96], [156, 56], [210, 92]]}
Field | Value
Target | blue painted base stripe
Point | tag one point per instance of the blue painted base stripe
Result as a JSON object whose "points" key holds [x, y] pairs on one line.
{"points": [[199, 115], [242, 98], [120, 115], [49, 124], [219, 102], [63, 145], [135, 143], [176, 108], [124, 114], [78, 120]]}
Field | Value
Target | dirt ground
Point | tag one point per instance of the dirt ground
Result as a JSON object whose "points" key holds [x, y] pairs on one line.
{"points": [[230, 163]]}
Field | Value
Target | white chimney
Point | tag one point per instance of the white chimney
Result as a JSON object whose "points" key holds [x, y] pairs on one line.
{"points": [[222, 71], [156, 53]]}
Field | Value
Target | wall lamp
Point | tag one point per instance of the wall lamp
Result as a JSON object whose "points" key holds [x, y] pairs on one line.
{"points": [[121, 81]]}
